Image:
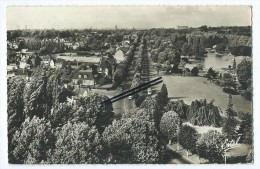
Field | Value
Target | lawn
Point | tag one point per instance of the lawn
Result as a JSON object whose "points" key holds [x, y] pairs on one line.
{"points": [[191, 88], [203, 129]]}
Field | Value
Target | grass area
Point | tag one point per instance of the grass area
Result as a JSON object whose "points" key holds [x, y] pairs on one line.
{"points": [[203, 129], [191, 88]]}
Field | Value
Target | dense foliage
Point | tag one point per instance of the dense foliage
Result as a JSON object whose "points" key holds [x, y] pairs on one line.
{"points": [[77, 143], [170, 125], [210, 146], [133, 139], [203, 113], [33, 141], [188, 137]]}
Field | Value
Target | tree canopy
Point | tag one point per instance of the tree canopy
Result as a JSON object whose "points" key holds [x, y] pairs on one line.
{"points": [[77, 143], [170, 125]]}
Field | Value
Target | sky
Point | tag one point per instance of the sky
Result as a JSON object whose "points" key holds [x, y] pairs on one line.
{"points": [[140, 17]]}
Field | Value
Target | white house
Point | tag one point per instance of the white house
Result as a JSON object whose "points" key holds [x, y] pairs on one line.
{"points": [[119, 56]]}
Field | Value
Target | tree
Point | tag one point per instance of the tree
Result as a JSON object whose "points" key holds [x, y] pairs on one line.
{"points": [[194, 71], [170, 125], [89, 109], [202, 113], [234, 64], [211, 74], [221, 48], [150, 105], [185, 49], [33, 141], [210, 146], [188, 138], [229, 127], [246, 129], [131, 140], [230, 111], [118, 77], [44, 90], [244, 72], [15, 106], [61, 114], [37, 60], [162, 97], [77, 143], [203, 28], [179, 107]]}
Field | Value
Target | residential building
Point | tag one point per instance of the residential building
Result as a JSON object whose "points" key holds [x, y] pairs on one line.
{"points": [[83, 77], [76, 46], [119, 55], [48, 60], [107, 65]]}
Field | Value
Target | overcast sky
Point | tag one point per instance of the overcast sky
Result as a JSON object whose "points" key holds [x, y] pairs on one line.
{"points": [[126, 17]]}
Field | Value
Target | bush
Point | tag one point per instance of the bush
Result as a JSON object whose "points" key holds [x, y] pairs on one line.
{"points": [[194, 71], [229, 90]]}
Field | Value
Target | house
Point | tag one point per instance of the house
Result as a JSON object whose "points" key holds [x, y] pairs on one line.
{"points": [[83, 77], [48, 60], [119, 56], [24, 50], [76, 46], [126, 43], [68, 44], [25, 62], [59, 63], [107, 65]]}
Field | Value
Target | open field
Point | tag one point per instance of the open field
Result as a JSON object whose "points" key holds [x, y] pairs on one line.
{"points": [[191, 88]]}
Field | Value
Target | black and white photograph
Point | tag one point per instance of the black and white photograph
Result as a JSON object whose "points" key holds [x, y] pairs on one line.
{"points": [[130, 84]]}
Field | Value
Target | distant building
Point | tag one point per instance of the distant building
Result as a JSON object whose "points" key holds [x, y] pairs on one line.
{"points": [[48, 60], [76, 45], [85, 77], [68, 44], [182, 27], [24, 50]]}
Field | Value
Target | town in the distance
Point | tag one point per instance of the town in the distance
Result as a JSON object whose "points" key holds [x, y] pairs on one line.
{"points": [[201, 113]]}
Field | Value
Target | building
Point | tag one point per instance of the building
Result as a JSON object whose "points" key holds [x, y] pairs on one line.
{"points": [[107, 65], [76, 46], [119, 55], [83, 77], [68, 44], [48, 60], [25, 62], [182, 27]]}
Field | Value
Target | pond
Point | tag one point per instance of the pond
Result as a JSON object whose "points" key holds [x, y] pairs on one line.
{"points": [[220, 62]]}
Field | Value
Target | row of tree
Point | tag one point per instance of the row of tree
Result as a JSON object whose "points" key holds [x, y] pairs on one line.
{"points": [[122, 69]]}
